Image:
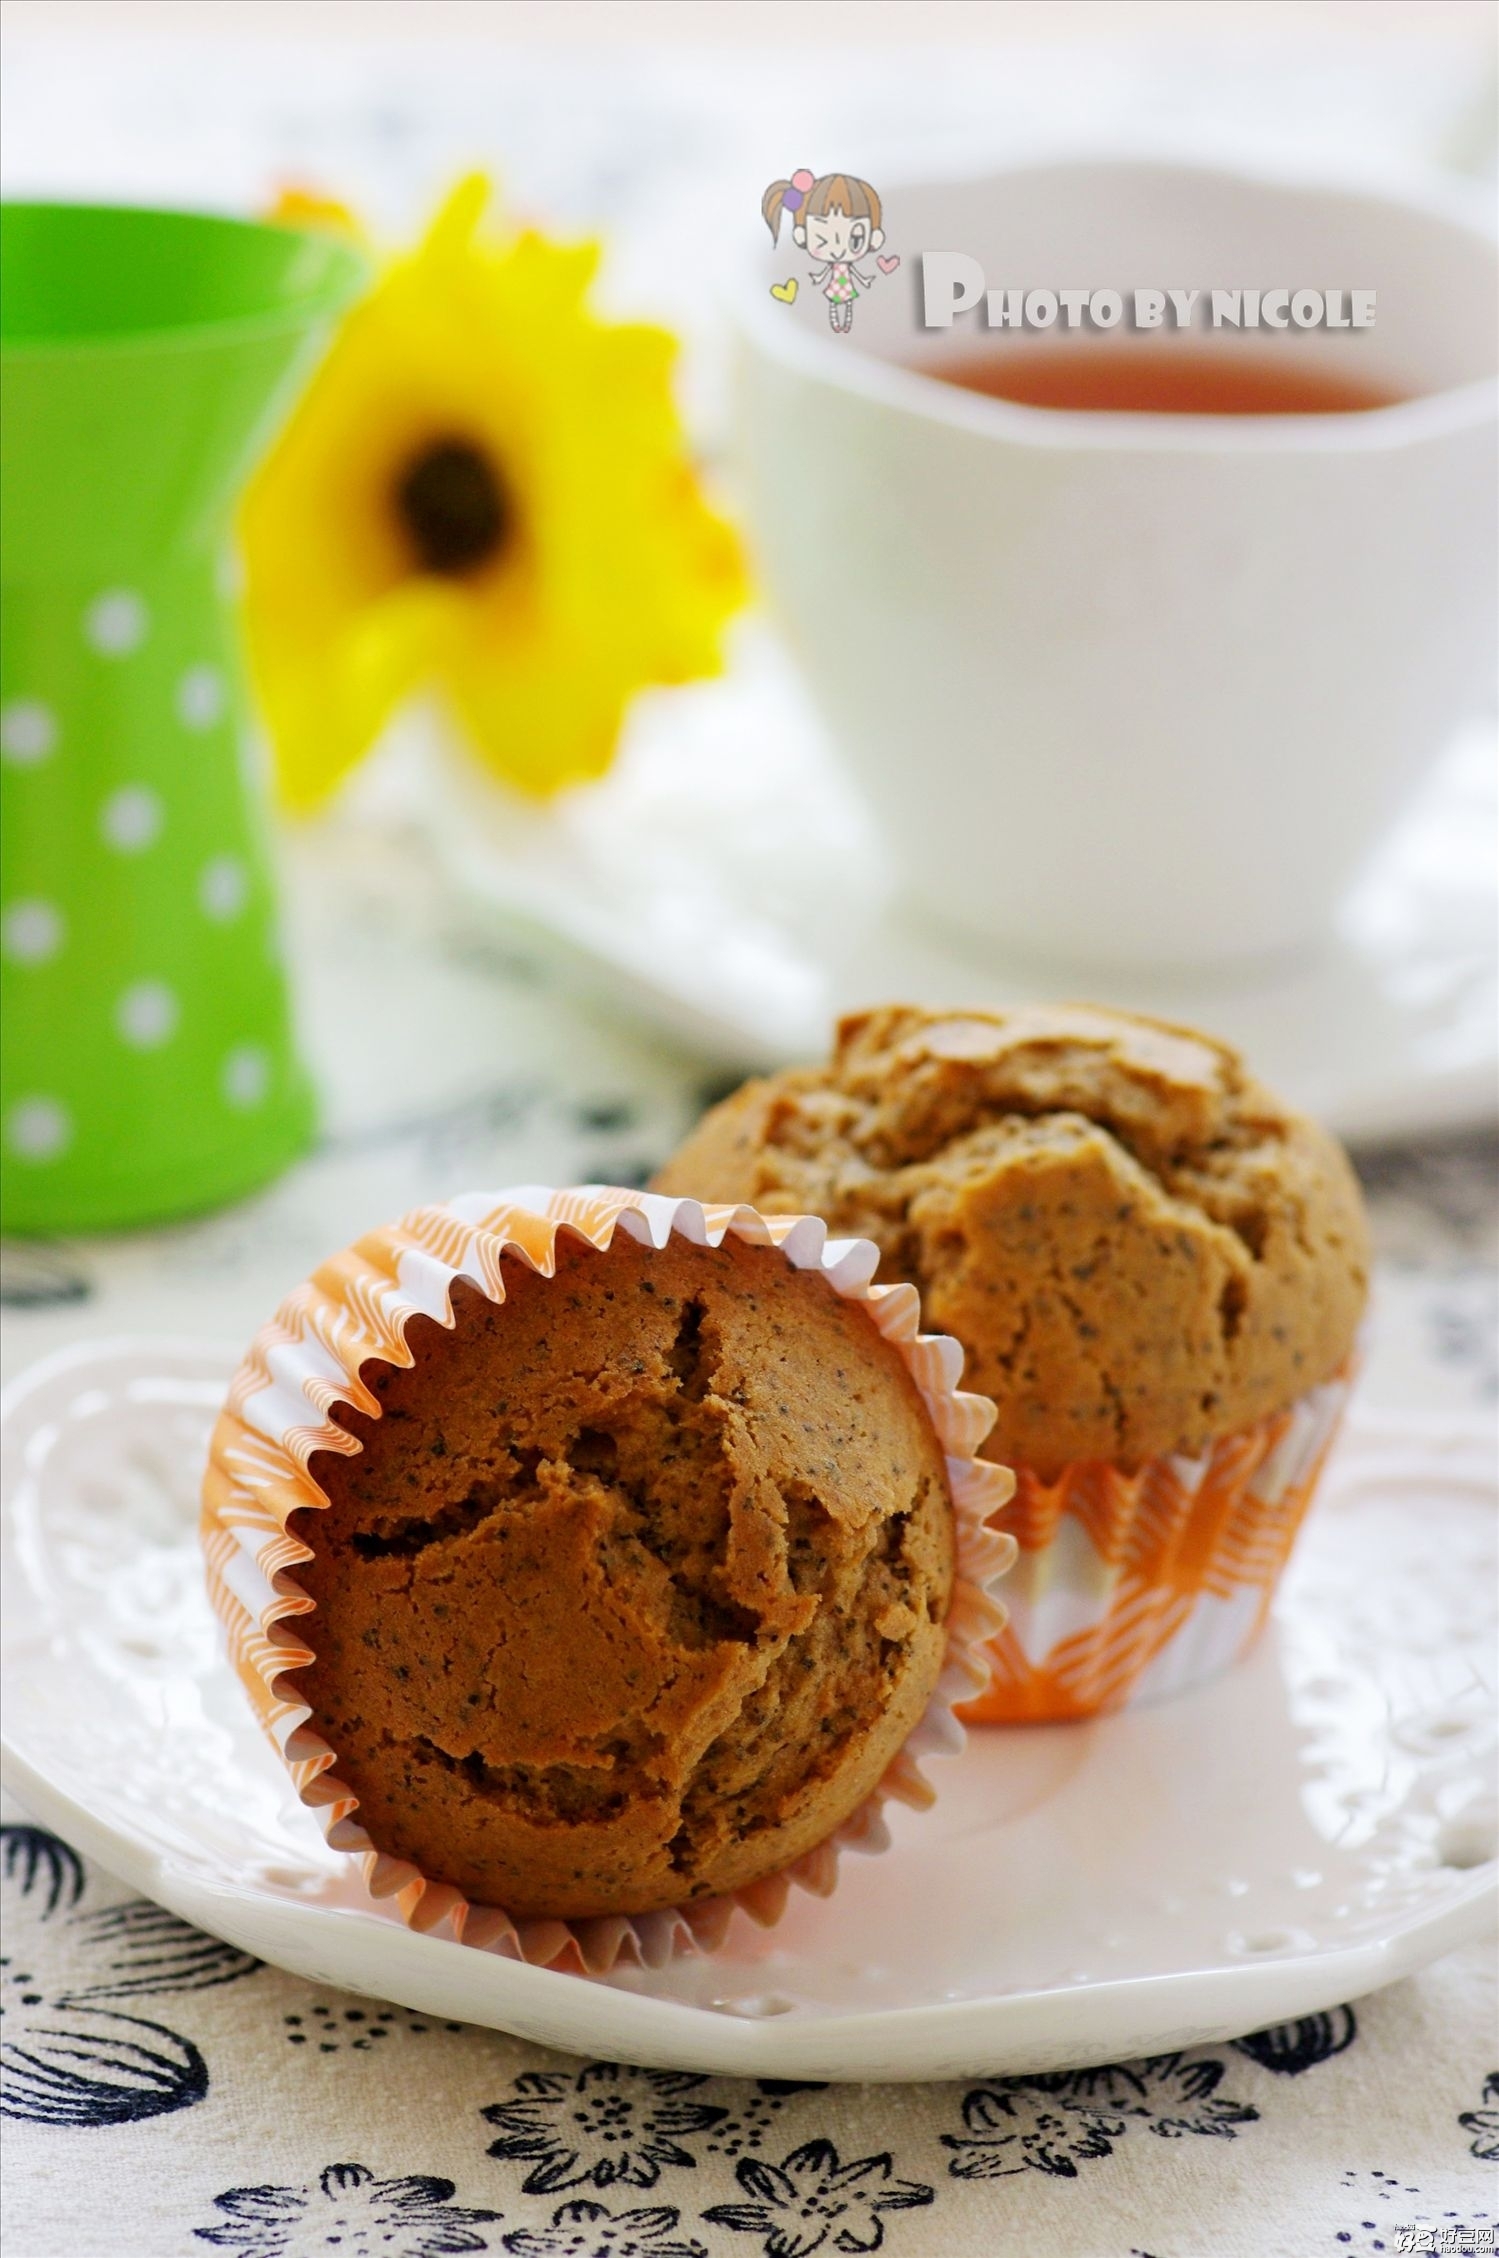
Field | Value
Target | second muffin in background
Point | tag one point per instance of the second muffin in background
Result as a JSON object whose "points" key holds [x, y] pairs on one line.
{"points": [[1156, 1270]]}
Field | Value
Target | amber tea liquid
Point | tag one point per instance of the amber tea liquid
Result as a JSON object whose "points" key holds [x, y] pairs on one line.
{"points": [[1164, 380]]}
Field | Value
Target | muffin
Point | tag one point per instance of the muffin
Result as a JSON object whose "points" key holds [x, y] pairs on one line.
{"points": [[1156, 1270], [625, 1563]]}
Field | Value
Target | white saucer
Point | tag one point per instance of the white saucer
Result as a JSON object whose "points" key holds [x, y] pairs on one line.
{"points": [[723, 882], [1314, 1824]]}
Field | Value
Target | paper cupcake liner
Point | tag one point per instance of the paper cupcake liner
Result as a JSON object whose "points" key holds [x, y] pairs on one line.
{"points": [[1131, 1587], [356, 1308]]}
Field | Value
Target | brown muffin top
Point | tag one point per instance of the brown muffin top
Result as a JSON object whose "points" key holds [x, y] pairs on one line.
{"points": [[1138, 1246], [637, 1584]]}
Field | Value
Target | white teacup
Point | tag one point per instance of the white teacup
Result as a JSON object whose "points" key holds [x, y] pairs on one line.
{"points": [[1135, 689]]}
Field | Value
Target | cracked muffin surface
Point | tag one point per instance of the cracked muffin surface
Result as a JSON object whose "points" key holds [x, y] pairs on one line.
{"points": [[637, 1583], [1139, 1247]]}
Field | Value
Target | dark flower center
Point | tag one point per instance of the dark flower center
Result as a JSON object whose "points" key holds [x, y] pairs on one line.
{"points": [[453, 506]]}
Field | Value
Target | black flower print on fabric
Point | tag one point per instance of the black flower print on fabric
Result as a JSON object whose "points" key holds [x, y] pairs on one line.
{"points": [[1463, 1320], [325, 2029], [78, 2067], [810, 2201], [613, 1119], [1483, 2124], [1015, 2128], [35, 1864], [1290, 2048], [604, 1114], [1054, 2123], [602, 2126], [631, 1175], [143, 1948], [69, 2054], [1385, 2215], [347, 2207], [745, 2129], [590, 2230], [1433, 1201], [444, 1140], [38, 1274]]}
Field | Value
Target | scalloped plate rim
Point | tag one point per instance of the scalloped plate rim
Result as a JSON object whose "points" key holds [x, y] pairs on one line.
{"points": [[1014, 2032], [671, 2034]]}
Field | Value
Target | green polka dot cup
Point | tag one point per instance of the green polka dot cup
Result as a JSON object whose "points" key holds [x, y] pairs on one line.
{"points": [[147, 1065]]}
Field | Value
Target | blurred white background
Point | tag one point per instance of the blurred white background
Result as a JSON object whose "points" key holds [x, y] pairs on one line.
{"points": [[455, 1047], [663, 119]]}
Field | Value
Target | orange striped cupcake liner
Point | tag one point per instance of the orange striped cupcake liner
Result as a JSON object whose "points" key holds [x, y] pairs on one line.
{"points": [[356, 1309], [1131, 1587]]}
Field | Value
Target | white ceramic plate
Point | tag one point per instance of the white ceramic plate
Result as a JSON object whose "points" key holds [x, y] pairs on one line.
{"points": [[1314, 1824], [723, 883]]}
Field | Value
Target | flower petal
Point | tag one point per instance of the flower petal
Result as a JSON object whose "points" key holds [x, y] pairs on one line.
{"points": [[815, 2160], [417, 2191], [986, 2110], [262, 2202], [37, 1863], [766, 2181], [613, 572], [337, 2179], [151, 1950], [984, 2160], [98, 2068], [904, 2195], [560, 2168]]}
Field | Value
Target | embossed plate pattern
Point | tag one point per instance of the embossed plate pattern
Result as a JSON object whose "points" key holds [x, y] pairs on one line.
{"points": [[1309, 1826]]}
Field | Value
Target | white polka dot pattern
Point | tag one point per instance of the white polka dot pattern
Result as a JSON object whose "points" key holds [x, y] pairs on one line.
{"points": [[132, 818], [146, 1015], [246, 1076], [38, 1129], [223, 888], [200, 697], [31, 932], [115, 623], [148, 1063], [28, 732]]}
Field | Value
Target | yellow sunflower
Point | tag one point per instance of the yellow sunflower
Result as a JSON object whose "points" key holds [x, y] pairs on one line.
{"points": [[485, 487]]}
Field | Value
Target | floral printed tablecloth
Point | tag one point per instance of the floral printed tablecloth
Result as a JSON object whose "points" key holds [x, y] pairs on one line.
{"points": [[166, 2096], [237, 2109]]}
